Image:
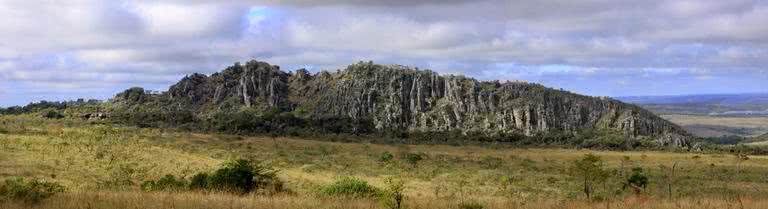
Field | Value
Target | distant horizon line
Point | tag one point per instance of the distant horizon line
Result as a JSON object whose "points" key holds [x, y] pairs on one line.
{"points": [[698, 94]]}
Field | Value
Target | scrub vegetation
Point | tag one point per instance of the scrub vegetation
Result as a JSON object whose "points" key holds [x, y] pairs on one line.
{"points": [[73, 163]]}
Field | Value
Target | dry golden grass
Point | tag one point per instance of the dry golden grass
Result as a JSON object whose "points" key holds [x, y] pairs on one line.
{"points": [[120, 200], [79, 159], [83, 156]]}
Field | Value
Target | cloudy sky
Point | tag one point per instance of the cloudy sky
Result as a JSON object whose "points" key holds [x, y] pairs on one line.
{"points": [[54, 50]]}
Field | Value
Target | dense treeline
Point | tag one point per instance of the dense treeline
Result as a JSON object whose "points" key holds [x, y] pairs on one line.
{"points": [[273, 122], [47, 105], [137, 107], [249, 121], [244, 122]]}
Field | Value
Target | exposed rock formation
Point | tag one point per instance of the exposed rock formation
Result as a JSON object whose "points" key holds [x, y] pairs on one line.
{"points": [[94, 116], [400, 98]]}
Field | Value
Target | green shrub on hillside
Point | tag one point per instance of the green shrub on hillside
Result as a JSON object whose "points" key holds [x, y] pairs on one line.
{"points": [[638, 181], [238, 176], [386, 157], [252, 121], [491, 162], [199, 182], [166, 183], [393, 196], [411, 158], [609, 139], [350, 187], [53, 114], [32, 191]]}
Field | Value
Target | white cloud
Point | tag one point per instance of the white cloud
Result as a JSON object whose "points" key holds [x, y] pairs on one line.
{"points": [[92, 44], [190, 20], [377, 33]]}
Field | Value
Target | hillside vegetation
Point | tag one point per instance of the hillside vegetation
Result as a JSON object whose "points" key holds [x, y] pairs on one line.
{"points": [[101, 165], [387, 100]]}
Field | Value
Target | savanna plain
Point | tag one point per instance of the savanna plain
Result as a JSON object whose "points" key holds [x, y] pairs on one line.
{"points": [[100, 165]]}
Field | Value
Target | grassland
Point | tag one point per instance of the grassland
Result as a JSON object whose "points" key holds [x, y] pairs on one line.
{"points": [[102, 165], [715, 126], [210, 201]]}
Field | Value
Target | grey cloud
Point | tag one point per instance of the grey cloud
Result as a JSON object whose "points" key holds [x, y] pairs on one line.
{"points": [[315, 3], [144, 42]]}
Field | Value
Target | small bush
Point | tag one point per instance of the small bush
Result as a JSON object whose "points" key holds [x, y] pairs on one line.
{"points": [[28, 191], [386, 157], [393, 196], [121, 178], [470, 205], [237, 176], [412, 159], [52, 114], [350, 187], [240, 177], [491, 162], [638, 181], [166, 183], [199, 182]]}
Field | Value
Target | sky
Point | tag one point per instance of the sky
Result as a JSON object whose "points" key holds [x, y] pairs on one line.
{"points": [[64, 50]]}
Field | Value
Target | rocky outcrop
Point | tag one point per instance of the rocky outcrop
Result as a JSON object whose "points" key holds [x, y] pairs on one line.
{"points": [[401, 98], [94, 116]]}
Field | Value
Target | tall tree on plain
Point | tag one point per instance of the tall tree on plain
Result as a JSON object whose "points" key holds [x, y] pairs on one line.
{"points": [[589, 169], [669, 175]]}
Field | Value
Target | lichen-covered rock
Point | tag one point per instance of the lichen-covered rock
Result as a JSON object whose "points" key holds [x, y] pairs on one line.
{"points": [[404, 99]]}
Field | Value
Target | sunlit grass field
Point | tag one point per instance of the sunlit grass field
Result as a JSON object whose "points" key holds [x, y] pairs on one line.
{"points": [[211, 201], [102, 166]]}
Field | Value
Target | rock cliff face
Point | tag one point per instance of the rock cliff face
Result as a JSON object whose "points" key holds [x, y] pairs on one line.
{"points": [[401, 98]]}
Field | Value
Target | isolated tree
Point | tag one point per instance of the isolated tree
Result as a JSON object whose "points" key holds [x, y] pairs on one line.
{"points": [[589, 169], [625, 160], [393, 194], [412, 159], [386, 157], [638, 181], [669, 175], [740, 158]]}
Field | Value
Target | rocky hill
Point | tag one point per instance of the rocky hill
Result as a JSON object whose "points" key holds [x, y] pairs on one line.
{"points": [[393, 97]]}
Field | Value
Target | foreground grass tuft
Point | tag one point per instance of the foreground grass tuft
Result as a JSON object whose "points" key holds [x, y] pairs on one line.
{"points": [[29, 191]]}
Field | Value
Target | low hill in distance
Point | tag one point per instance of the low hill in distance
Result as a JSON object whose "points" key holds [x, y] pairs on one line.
{"points": [[715, 115], [748, 104], [723, 99]]}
